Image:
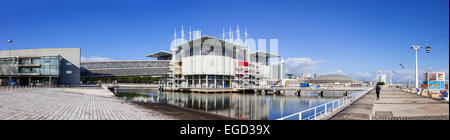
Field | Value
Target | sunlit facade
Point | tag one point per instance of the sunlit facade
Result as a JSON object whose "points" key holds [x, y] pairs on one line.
{"points": [[35, 67], [208, 62]]}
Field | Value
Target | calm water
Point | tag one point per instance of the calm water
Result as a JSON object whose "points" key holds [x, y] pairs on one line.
{"points": [[240, 106]]}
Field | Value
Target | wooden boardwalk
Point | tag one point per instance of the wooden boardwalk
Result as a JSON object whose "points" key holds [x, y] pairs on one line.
{"points": [[53, 104]]}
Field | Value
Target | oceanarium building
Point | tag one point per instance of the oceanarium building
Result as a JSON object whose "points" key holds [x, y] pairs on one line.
{"points": [[208, 62]]}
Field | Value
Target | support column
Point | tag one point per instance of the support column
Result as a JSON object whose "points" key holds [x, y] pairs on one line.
{"points": [[50, 81], [215, 81], [207, 81], [29, 81]]}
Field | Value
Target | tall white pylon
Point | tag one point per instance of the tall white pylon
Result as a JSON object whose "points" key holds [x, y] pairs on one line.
{"points": [[223, 34], [246, 38], [238, 33], [175, 37], [190, 33], [416, 48], [230, 35], [182, 34]]}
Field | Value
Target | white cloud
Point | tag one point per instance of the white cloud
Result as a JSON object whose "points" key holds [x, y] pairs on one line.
{"points": [[338, 71], [301, 65], [402, 75], [95, 59], [366, 76]]}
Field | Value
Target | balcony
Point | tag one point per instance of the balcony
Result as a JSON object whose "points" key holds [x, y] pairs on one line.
{"points": [[29, 65], [29, 74]]}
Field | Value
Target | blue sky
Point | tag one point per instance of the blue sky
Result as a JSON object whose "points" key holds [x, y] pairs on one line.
{"points": [[353, 37]]}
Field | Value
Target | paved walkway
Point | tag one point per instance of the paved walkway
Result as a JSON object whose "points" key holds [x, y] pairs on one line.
{"points": [[396, 104], [70, 104], [359, 110]]}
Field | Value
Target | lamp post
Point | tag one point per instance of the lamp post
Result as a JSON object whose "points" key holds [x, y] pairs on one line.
{"points": [[9, 65], [416, 48], [390, 75]]}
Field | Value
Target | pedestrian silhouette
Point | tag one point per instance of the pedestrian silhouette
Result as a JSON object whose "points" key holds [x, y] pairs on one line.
{"points": [[378, 90]]}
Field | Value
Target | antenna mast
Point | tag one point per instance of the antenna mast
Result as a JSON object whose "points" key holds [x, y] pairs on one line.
{"points": [[182, 34], [175, 37]]}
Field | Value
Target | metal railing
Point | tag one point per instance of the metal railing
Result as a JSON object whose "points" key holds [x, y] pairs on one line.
{"points": [[4, 89], [322, 110]]}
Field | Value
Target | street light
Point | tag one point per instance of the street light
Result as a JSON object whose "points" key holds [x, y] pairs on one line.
{"points": [[390, 75], [9, 65], [416, 48], [10, 44]]}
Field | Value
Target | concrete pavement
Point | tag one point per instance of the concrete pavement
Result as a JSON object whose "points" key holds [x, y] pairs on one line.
{"points": [[70, 104], [395, 104], [359, 110]]}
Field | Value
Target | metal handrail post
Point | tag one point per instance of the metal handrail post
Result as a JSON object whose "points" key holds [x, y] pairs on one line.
{"points": [[300, 116], [333, 105], [315, 113]]}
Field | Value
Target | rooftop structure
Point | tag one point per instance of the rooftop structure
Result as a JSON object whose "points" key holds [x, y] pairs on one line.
{"points": [[161, 55]]}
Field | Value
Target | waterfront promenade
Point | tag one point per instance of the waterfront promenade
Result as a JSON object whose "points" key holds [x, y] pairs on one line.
{"points": [[70, 104], [395, 104]]}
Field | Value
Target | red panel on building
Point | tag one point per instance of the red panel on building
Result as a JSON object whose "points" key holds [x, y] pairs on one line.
{"points": [[243, 64]]}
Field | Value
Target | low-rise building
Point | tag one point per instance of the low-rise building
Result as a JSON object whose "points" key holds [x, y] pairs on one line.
{"points": [[34, 67], [159, 68]]}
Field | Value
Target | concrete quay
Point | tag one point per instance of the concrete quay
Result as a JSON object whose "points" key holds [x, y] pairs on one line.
{"points": [[70, 104], [395, 104], [262, 90]]}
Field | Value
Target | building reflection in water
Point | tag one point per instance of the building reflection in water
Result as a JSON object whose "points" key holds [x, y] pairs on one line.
{"points": [[239, 106]]}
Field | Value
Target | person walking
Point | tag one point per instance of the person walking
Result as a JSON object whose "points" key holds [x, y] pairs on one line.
{"points": [[378, 90]]}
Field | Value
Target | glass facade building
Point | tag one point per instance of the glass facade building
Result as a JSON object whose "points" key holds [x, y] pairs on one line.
{"points": [[30, 70], [45, 65], [35, 67]]}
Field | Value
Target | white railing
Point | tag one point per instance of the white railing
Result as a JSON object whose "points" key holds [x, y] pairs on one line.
{"points": [[309, 88], [5, 89], [322, 110]]}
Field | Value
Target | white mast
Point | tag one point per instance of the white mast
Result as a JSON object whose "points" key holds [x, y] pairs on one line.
{"points": [[182, 34], [238, 36], [223, 34], [231, 35], [190, 34], [175, 37], [246, 38]]}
